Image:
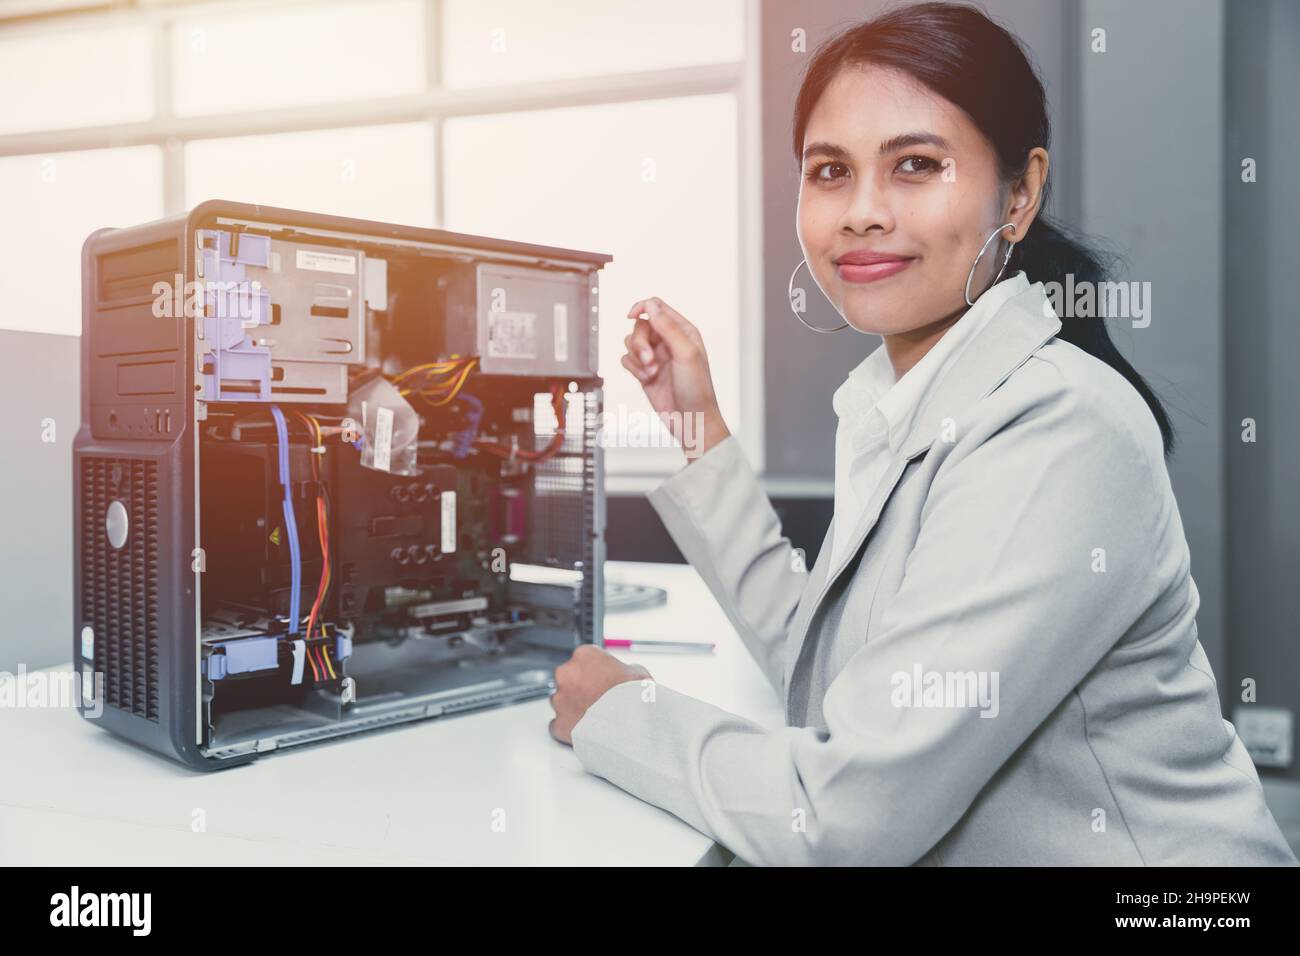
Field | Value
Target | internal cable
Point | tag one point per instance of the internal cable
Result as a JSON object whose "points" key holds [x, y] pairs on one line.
{"points": [[419, 379], [463, 440], [552, 447], [317, 452], [291, 522], [446, 366], [459, 384]]}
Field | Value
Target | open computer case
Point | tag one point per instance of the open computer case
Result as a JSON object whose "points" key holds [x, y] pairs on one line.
{"points": [[331, 476]]}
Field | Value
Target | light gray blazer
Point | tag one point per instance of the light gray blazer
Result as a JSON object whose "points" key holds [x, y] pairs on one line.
{"points": [[1024, 542]]}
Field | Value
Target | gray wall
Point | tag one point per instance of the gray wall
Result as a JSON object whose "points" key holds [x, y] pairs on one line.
{"points": [[39, 379], [1262, 245], [1152, 183]]}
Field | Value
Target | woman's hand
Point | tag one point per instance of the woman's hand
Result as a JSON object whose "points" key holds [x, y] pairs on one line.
{"points": [[666, 353], [579, 683]]}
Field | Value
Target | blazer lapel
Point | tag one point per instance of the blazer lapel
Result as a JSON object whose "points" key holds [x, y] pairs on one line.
{"points": [[1018, 329], [820, 583]]}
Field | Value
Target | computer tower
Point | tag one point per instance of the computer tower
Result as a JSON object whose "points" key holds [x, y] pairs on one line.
{"points": [[331, 476]]}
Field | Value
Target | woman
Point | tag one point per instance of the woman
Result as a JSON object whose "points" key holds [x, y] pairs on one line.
{"points": [[994, 659]]}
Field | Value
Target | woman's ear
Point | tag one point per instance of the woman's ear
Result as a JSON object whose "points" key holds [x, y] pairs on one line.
{"points": [[1026, 197]]}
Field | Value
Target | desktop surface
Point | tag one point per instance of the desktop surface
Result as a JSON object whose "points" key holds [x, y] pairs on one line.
{"points": [[487, 787]]}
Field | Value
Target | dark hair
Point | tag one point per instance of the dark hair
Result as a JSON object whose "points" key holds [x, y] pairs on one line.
{"points": [[969, 60]]}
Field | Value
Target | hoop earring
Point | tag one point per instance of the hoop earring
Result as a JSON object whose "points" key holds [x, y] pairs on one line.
{"points": [[790, 297], [976, 263]]}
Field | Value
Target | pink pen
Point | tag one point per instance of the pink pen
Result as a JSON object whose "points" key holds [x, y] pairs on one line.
{"points": [[670, 647]]}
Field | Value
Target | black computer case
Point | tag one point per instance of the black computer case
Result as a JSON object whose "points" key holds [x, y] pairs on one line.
{"points": [[181, 635]]}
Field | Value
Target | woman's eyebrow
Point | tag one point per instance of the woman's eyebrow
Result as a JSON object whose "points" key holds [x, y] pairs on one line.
{"points": [[904, 140], [825, 149], [891, 145]]}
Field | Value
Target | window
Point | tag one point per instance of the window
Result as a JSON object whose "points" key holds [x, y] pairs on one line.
{"points": [[56, 80], [51, 204], [297, 55], [493, 42], [371, 172], [609, 125]]}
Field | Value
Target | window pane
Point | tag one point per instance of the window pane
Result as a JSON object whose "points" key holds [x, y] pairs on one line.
{"points": [[369, 172], [652, 183], [76, 77], [503, 41], [253, 60], [51, 204]]}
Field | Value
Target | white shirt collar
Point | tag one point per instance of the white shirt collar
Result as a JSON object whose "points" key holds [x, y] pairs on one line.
{"points": [[874, 406]]}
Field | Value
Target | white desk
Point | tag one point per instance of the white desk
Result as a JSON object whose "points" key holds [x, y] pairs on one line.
{"points": [[427, 792]]}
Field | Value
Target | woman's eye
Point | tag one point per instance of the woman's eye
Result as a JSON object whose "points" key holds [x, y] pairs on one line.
{"points": [[924, 164], [827, 172]]}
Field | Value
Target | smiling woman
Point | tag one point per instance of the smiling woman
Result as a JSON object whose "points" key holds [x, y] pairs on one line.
{"points": [[951, 161], [1004, 605]]}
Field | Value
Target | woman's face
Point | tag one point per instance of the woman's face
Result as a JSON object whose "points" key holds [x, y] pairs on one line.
{"points": [[891, 168]]}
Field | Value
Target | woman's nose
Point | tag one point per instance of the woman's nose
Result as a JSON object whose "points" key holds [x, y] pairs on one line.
{"points": [[867, 207]]}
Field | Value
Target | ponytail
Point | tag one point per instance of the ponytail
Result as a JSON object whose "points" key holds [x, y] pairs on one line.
{"points": [[1049, 254]]}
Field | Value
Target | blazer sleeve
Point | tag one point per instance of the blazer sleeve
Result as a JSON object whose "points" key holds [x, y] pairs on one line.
{"points": [[718, 514], [1003, 581]]}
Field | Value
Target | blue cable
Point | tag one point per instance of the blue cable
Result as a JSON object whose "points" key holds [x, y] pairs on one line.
{"points": [[463, 440], [291, 523]]}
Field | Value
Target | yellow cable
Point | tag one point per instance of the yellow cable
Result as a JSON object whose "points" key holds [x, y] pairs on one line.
{"points": [[434, 366], [325, 652], [427, 386], [456, 389]]}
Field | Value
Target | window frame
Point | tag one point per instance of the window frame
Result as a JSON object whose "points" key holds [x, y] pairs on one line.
{"points": [[628, 470]]}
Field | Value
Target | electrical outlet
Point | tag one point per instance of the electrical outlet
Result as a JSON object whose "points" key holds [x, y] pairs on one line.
{"points": [[1266, 732]]}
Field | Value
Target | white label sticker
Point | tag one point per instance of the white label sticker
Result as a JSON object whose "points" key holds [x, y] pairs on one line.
{"points": [[448, 522], [327, 262], [512, 335], [299, 657], [383, 438], [561, 312]]}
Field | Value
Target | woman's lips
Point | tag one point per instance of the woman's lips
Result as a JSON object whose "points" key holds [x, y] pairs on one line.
{"points": [[870, 272]]}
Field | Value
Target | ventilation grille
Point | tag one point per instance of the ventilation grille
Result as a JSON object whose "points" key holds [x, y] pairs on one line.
{"points": [[119, 586], [559, 521], [593, 578]]}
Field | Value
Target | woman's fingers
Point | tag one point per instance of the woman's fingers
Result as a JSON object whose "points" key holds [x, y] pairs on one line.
{"points": [[643, 341], [662, 355], [643, 375], [659, 340], [638, 309], [638, 345], [647, 359], [668, 323], [641, 328]]}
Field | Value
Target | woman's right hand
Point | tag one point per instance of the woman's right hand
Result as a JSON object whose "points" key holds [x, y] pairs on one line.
{"points": [[666, 353]]}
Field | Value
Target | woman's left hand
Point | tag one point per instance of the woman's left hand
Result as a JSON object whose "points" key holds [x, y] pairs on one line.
{"points": [[579, 683]]}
